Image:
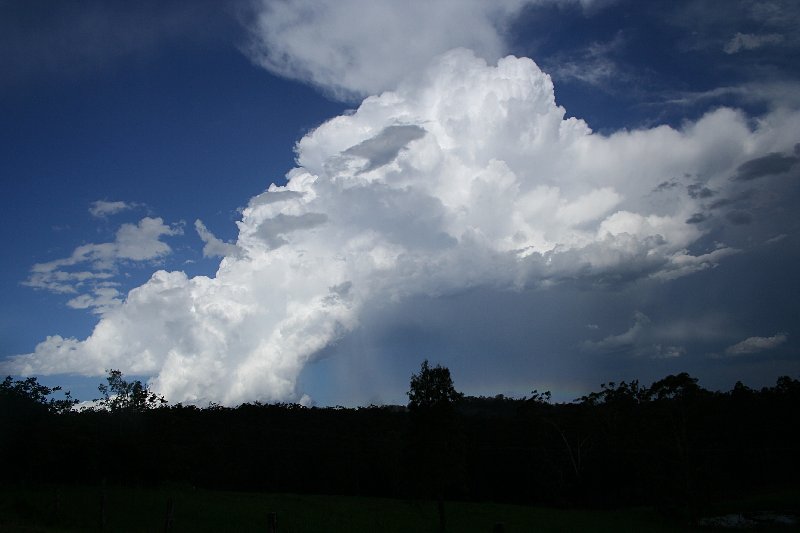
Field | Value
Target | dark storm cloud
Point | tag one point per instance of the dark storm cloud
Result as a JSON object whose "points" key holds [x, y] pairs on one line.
{"points": [[768, 165], [698, 191], [739, 218], [337, 293], [722, 202], [696, 218], [572, 266], [539, 337], [741, 198], [385, 146], [665, 186]]}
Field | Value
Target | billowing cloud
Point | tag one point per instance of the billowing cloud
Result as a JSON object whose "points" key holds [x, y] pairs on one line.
{"points": [[467, 175], [323, 43], [385, 146], [353, 48], [753, 345], [213, 246]]}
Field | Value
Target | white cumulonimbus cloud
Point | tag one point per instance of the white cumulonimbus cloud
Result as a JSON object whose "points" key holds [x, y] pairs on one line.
{"points": [[469, 175]]}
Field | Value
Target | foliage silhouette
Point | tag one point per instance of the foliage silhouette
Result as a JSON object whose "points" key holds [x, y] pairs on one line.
{"points": [[672, 444], [29, 419], [121, 395], [436, 443], [31, 394], [432, 389]]}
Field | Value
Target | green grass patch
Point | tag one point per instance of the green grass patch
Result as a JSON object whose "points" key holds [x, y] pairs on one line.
{"points": [[51, 509]]}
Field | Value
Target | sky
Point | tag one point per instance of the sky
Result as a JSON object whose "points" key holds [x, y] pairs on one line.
{"points": [[301, 201]]}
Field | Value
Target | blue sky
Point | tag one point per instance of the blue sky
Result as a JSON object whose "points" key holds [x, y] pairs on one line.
{"points": [[462, 216]]}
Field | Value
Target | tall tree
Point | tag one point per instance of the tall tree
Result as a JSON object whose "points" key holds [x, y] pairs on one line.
{"points": [[432, 389], [437, 446], [122, 395]]}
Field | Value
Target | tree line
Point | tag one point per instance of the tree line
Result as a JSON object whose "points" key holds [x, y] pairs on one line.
{"points": [[672, 444]]}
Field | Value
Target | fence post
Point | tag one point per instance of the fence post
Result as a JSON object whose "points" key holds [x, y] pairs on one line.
{"points": [[103, 502], [272, 522], [170, 516], [57, 504]]}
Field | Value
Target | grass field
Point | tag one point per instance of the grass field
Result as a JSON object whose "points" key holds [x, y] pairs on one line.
{"points": [[132, 510]]}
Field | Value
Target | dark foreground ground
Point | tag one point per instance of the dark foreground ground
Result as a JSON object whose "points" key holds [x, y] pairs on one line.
{"points": [[118, 509], [626, 458]]}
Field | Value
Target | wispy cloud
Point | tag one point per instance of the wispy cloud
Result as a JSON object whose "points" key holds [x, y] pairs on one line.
{"points": [[667, 339], [92, 266], [102, 298], [750, 41], [774, 93], [595, 65], [754, 345], [642, 339], [104, 208]]}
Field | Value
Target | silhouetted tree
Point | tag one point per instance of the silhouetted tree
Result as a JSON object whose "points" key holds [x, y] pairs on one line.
{"points": [[437, 440], [30, 394], [673, 444], [121, 395], [432, 390], [28, 416]]}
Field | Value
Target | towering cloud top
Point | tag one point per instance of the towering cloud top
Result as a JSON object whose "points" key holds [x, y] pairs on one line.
{"points": [[466, 175], [354, 48]]}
